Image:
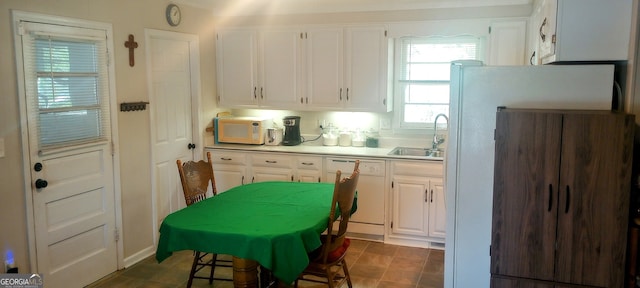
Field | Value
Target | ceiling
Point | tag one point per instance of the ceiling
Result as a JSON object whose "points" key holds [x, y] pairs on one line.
{"points": [[268, 7]]}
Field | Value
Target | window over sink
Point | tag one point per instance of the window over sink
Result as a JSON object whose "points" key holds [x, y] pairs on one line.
{"points": [[421, 81]]}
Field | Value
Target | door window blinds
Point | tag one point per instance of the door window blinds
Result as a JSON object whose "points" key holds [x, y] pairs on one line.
{"points": [[66, 80]]}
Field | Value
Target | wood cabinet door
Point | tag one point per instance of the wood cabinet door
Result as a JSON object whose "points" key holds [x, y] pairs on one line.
{"points": [[525, 197], [594, 199], [520, 283]]}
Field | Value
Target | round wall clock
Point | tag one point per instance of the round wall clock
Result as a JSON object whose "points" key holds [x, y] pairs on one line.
{"points": [[173, 14]]}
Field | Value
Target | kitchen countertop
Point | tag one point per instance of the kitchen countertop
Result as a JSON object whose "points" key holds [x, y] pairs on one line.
{"points": [[381, 152]]}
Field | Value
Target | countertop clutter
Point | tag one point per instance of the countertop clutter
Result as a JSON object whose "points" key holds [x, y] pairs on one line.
{"points": [[380, 152]]}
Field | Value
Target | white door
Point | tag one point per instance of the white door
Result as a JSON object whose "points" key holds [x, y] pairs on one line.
{"points": [[66, 102], [170, 62]]}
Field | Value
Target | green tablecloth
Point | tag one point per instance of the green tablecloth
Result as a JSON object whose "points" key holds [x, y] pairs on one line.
{"points": [[274, 223]]}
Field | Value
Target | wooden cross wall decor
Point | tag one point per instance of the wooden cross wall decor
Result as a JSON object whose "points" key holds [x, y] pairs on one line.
{"points": [[131, 45]]}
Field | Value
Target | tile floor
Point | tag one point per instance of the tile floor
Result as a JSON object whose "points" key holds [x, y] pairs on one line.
{"points": [[371, 265]]}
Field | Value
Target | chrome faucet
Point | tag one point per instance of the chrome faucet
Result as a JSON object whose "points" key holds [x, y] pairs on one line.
{"points": [[437, 140]]}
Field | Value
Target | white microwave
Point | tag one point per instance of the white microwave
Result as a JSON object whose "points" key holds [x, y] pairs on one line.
{"points": [[240, 130]]}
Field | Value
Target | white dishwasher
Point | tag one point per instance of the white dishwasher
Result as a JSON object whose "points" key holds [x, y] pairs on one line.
{"points": [[368, 221]]}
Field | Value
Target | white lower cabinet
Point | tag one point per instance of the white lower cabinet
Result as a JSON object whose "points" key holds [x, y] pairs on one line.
{"points": [[229, 168], [410, 211], [271, 167], [417, 211], [308, 169]]}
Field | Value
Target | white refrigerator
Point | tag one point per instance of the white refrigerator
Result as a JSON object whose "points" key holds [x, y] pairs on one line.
{"points": [[476, 92]]}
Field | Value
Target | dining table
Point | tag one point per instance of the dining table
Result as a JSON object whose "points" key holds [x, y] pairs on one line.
{"points": [[273, 224]]}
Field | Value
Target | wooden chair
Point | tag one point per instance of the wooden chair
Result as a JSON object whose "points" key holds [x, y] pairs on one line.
{"points": [[326, 261], [195, 178]]}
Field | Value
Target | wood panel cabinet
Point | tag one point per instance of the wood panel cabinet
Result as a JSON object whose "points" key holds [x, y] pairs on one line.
{"points": [[561, 196]]}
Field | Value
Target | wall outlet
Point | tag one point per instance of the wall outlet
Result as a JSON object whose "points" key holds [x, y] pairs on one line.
{"points": [[385, 123]]}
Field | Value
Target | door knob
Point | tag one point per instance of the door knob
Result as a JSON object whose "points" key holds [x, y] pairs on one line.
{"points": [[41, 184], [37, 167], [191, 146]]}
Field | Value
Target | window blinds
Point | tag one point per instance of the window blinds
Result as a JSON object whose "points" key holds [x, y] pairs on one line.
{"points": [[66, 85]]}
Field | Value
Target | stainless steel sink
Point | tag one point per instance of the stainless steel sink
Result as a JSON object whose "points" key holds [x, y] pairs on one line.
{"points": [[422, 152]]}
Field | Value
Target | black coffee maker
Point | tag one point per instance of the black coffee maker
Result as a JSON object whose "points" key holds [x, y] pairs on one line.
{"points": [[291, 131]]}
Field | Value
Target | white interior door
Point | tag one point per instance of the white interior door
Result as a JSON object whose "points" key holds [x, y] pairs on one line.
{"points": [[65, 103], [170, 61]]}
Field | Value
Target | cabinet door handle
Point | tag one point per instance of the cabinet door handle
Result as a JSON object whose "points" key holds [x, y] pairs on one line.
{"points": [[253, 179], [301, 100], [550, 198], [340, 94], [431, 196], [254, 92], [531, 58], [291, 178], [242, 180], [347, 94], [426, 196], [261, 94], [271, 161], [566, 206], [307, 163], [226, 159], [318, 179], [543, 37]]}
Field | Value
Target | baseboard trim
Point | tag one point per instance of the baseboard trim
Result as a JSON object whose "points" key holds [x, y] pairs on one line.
{"points": [[139, 256]]}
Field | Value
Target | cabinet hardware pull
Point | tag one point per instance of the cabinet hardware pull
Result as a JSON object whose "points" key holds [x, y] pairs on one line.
{"points": [[301, 100], [226, 159], [271, 161], [261, 95], [426, 196], [307, 163], [347, 94], [254, 92], [340, 94], [431, 196], [291, 178], [531, 58], [253, 179], [242, 180], [566, 207], [318, 179], [542, 36], [550, 197]]}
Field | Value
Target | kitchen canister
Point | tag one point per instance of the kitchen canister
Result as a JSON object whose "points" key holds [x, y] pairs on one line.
{"points": [[345, 138], [372, 139], [330, 136], [358, 139]]}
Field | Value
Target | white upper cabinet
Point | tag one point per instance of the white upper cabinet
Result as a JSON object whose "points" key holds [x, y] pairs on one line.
{"points": [[237, 67], [280, 68], [583, 30], [259, 67], [347, 68], [508, 42]]}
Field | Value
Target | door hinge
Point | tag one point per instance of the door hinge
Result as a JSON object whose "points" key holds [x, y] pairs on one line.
{"points": [[116, 235]]}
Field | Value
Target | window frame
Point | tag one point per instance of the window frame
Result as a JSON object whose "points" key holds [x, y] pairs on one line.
{"points": [[399, 64]]}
